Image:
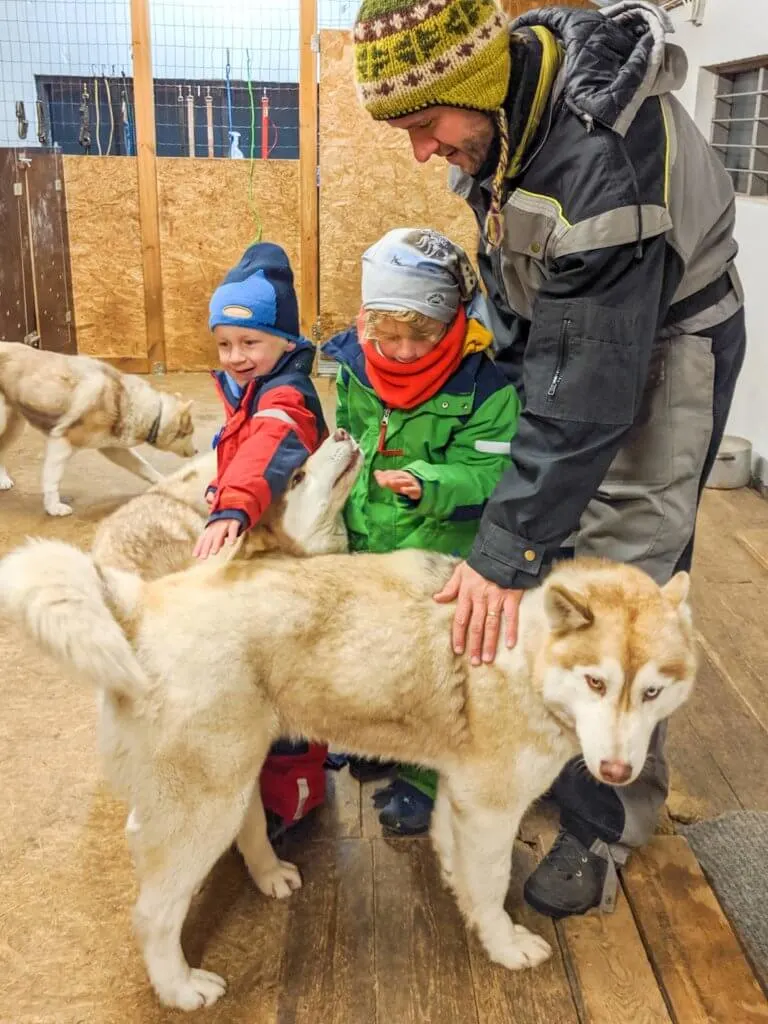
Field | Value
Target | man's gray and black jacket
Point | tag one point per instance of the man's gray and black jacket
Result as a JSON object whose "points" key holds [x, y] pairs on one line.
{"points": [[618, 231]]}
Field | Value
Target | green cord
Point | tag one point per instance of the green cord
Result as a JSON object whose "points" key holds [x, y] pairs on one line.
{"points": [[251, 201]]}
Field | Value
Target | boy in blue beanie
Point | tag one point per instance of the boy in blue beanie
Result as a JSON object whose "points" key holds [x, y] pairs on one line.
{"points": [[274, 421], [273, 415]]}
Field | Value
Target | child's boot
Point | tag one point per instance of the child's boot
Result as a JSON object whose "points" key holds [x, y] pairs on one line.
{"points": [[406, 804]]}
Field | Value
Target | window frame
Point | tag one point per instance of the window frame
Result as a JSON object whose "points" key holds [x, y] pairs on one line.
{"points": [[750, 180]]}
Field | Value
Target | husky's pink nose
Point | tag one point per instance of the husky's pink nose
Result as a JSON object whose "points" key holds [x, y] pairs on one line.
{"points": [[340, 435], [615, 772]]}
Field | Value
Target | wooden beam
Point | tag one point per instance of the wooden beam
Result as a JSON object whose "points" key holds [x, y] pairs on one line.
{"points": [[308, 158], [144, 107], [127, 364]]}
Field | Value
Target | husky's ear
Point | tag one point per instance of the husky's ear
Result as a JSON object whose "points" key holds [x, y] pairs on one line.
{"points": [[566, 610], [676, 590]]}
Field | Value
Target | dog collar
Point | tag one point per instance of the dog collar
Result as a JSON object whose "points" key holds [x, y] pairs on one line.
{"points": [[154, 430]]}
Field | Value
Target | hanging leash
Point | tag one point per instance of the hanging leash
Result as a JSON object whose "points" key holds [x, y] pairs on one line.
{"points": [[190, 121], [98, 113], [111, 115], [182, 132], [84, 135], [227, 71], [42, 133], [234, 137], [209, 122], [125, 112], [251, 185], [22, 124], [252, 105]]}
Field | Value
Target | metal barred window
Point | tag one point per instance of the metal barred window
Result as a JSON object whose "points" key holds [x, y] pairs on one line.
{"points": [[740, 126]]}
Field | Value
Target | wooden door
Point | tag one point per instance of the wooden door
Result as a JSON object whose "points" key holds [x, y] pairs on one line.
{"points": [[35, 283]]}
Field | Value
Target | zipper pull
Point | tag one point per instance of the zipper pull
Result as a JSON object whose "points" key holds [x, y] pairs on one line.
{"points": [[383, 430], [562, 354], [382, 445]]}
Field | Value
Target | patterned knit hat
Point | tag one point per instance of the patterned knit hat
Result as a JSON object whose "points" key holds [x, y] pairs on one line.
{"points": [[414, 54]]}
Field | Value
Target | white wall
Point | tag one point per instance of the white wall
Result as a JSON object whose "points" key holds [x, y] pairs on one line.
{"points": [[736, 30]]}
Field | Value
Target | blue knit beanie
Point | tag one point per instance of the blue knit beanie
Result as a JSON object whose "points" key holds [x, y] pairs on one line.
{"points": [[258, 293]]}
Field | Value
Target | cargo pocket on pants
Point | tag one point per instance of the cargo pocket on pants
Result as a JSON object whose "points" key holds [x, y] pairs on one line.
{"points": [[645, 510]]}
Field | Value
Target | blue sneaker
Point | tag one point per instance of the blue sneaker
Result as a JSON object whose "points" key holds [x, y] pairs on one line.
{"points": [[405, 810]]}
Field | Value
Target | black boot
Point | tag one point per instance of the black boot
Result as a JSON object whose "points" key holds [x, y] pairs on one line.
{"points": [[570, 879], [366, 769]]}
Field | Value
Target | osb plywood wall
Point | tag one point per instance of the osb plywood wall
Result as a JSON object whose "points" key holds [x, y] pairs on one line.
{"points": [[369, 183], [208, 215], [207, 220], [105, 254]]}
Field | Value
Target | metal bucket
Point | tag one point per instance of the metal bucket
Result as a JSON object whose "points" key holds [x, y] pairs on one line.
{"points": [[733, 464]]}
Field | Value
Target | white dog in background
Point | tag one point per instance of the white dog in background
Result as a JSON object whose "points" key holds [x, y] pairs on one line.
{"points": [[79, 402]]}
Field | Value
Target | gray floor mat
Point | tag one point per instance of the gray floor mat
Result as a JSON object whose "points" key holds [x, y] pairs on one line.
{"points": [[733, 851]]}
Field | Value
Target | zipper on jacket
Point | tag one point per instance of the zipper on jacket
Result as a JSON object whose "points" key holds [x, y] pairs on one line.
{"points": [[380, 447], [562, 355], [589, 124]]}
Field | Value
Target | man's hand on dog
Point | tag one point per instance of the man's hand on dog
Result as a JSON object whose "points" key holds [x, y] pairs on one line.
{"points": [[480, 604], [215, 536], [399, 481]]}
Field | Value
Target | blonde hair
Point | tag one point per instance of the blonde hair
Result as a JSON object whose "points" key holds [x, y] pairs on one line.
{"points": [[423, 328]]}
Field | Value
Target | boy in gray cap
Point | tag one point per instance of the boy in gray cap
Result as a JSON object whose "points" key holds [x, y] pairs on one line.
{"points": [[434, 417]]}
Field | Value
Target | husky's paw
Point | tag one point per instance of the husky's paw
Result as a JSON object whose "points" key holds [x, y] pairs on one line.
{"points": [[58, 508], [279, 881], [5, 481], [520, 950], [201, 988]]}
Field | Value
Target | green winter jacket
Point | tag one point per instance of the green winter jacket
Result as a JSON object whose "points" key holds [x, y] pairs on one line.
{"points": [[440, 441]]}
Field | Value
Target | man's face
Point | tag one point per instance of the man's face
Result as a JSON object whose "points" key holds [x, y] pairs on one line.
{"points": [[462, 137]]}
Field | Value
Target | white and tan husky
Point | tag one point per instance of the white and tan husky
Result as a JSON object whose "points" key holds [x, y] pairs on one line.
{"points": [[204, 668], [78, 402]]}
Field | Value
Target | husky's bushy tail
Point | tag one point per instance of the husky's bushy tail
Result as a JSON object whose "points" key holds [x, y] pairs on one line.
{"points": [[68, 607]]}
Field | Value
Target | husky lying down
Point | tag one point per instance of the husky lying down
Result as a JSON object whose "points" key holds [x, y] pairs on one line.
{"points": [[202, 670]]}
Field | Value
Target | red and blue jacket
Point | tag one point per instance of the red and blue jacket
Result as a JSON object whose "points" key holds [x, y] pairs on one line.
{"points": [[271, 428]]}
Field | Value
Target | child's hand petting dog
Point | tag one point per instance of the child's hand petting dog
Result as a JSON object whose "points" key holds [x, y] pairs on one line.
{"points": [[399, 481], [215, 536]]}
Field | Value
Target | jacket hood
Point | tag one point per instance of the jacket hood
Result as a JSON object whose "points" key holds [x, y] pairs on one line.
{"points": [[615, 58], [345, 348], [300, 360]]}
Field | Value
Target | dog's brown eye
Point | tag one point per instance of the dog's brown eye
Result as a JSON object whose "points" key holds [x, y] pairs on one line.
{"points": [[298, 478], [598, 685], [651, 693]]}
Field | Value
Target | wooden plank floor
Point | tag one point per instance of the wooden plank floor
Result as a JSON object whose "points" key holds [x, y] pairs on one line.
{"points": [[372, 938]]}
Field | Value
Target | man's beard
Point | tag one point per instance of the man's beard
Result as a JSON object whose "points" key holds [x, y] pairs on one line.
{"points": [[475, 148]]}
